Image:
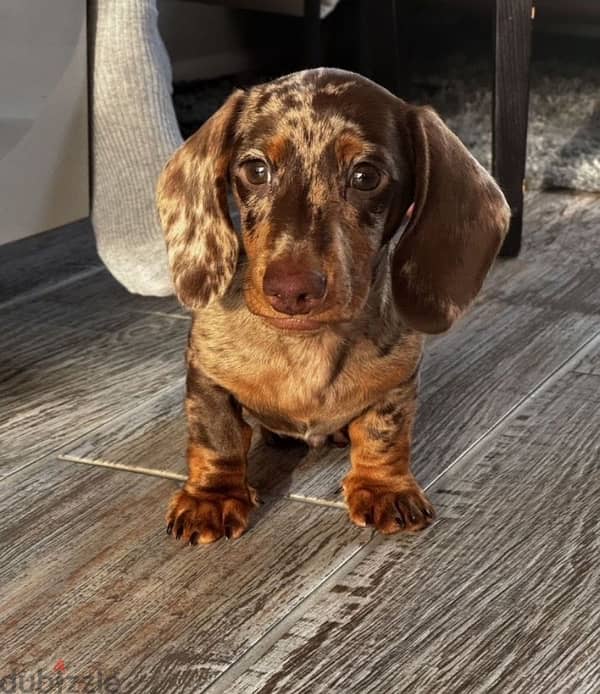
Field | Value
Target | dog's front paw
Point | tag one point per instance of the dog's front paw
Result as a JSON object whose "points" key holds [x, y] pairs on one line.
{"points": [[399, 504], [206, 516]]}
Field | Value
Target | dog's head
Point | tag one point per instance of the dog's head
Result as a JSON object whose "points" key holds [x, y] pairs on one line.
{"points": [[323, 165]]}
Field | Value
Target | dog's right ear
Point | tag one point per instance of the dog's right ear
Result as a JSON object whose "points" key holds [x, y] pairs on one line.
{"points": [[192, 205]]}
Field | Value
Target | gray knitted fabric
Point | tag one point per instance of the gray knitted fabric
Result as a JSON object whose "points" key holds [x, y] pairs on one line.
{"points": [[134, 131]]}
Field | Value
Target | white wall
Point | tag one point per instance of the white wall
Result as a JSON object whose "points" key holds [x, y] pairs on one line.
{"points": [[43, 116]]}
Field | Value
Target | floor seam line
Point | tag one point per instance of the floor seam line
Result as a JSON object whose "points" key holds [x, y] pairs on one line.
{"points": [[162, 313], [34, 294], [277, 626], [546, 382], [254, 652]]}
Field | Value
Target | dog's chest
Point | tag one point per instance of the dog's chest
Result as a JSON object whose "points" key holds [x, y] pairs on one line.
{"points": [[293, 389], [300, 386]]}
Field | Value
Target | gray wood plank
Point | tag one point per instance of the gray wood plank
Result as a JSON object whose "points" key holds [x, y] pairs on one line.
{"points": [[562, 227], [45, 260], [102, 290], [62, 269], [57, 382], [501, 595], [568, 286], [589, 365], [88, 574], [152, 436], [94, 304]]}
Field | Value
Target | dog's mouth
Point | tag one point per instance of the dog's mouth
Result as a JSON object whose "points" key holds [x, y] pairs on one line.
{"points": [[295, 324]]}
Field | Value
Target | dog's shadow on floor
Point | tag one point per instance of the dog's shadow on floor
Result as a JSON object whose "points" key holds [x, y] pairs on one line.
{"points": [[278, 467]]}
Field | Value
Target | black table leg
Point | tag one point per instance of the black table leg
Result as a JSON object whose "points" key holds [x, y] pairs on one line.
{"points": [[379, 44], [312, 33], [510, 106]]}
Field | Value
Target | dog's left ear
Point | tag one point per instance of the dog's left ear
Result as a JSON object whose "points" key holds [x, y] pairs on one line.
{"points": [[192, 205], [459, 219]]}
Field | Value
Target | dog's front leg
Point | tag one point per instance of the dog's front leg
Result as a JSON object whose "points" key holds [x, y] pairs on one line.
{"points": [[380, 489], [216, 499]]}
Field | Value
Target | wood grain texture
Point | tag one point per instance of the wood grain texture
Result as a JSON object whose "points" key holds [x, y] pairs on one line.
{"points": [[58, 382], [562, 228], [41, 262], [501, 595], [153, 437], [564, 287], [559, 266], [589, 365], [104, 291], [88, 574]]}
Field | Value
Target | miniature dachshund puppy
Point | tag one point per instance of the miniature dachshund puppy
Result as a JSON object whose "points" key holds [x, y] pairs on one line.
{"points": [[311, 315]]}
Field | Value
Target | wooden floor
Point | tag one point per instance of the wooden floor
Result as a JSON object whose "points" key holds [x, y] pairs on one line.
{"points": [[502, 594]]}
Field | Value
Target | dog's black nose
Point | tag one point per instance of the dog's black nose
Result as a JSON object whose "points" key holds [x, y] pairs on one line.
{"points": [[293, 289]]}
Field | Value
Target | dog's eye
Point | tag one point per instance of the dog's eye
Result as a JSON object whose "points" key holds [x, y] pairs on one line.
{"points": [[256, 172], [365, 177]]}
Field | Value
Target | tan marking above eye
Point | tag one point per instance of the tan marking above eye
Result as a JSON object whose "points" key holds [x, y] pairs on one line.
{"points": [[349, 147], [275, 149]]}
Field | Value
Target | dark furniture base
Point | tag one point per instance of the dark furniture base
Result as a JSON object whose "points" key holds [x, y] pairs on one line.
{"points": [[512, 53], [387, 61]]}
